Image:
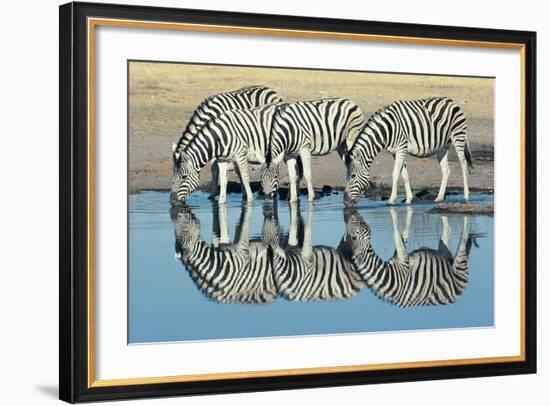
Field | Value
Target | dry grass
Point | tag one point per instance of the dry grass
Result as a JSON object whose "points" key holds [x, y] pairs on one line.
{"points": [[164, 95]]}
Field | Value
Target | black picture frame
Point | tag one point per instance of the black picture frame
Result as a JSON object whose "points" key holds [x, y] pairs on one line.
{"points": [[73, 255]]}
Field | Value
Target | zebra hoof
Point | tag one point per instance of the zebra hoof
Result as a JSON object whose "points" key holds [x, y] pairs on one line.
{"points": [[408, 202], [439, 199], [391, 203]]}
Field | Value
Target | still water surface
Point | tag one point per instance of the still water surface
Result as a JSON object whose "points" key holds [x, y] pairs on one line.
{"points": [[303, 270]]}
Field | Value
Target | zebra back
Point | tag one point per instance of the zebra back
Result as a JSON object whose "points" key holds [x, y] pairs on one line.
{"points": [[320, 125], [424, 126], [326, 275], [425, 277], [213, 106], [234, 131], [229, 275]]}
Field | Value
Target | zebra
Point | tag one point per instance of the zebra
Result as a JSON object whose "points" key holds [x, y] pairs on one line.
{"points": [[212, 107], [307, 128], [260, 270], [239, 136], [419, 128], [225, 273], [303, 272], [421, 278]]}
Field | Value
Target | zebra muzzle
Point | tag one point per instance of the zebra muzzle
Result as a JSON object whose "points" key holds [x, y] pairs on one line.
{"points": [[174, 199]]}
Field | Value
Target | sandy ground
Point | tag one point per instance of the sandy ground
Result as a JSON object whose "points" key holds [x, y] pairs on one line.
{"points": [[163, 97]]}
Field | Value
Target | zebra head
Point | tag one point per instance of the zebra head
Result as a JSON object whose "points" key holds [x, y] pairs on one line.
{"points": [[358, 233], [270, 228], [358, 179], [185, 178], [269, 175], [186, 227]]}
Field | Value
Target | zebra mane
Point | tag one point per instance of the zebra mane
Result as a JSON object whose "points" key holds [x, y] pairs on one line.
{"points": [[368, 120], [205, 103], [246, 89], [321, 100]]}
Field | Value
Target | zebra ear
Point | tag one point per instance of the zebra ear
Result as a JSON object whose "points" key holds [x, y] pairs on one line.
{"points": [[174, 146], [177, 155]]}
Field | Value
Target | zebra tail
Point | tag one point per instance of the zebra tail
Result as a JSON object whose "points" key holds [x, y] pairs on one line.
{"points": [[472, 241], [468, 155], [268, 155], [299, 167]]}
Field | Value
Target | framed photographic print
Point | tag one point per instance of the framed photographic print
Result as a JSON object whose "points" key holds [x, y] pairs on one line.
{"points": [[256, 202]]}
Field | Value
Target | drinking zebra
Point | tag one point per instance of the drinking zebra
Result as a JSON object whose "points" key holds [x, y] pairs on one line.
{"points": [[212, 107], [303, 272], [226, 273], [419, 128], [422, 277], [239, 136], [307, 128]]}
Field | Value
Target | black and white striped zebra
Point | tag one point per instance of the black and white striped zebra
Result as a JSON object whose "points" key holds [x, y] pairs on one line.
{"points": [[307, 128], [260, 270], [303, 272], [420, 278], [420, 128], [239, 136], [226, 273], [212, 107]]}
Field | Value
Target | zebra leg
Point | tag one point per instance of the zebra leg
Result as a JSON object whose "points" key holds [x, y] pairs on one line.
{"points": [[400, 248], [446, 230], [460, 262], [306, 162], [222, 224], [397, 167], [242, 164], [463, 242], [406, 181], [307, 249], [443, 158], [294, 225], [407, 228], [222, 167], [292, 179], [214, 183], [215, 226], [242, 232]]}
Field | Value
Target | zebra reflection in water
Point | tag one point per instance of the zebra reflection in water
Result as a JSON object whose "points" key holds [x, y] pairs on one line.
{"points": [[227, 273], [422, 277], [304, 272], [275, 264], [260, 270]]}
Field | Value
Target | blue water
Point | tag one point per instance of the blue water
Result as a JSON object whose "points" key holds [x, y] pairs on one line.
{"points": [[165, 304]]}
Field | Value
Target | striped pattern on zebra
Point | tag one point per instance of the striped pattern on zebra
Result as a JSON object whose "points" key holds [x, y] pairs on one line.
{"points": [[213, 106], [420, 128], [303, 272], [307, 128], [229, 273], [260, 270], [422, 277], [239, 136]]}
